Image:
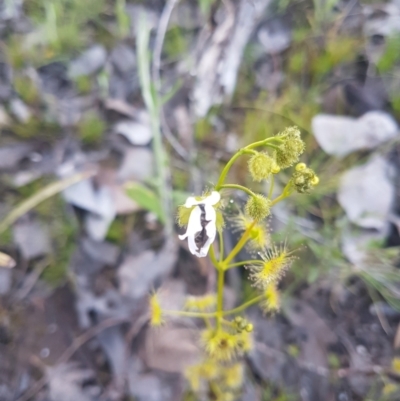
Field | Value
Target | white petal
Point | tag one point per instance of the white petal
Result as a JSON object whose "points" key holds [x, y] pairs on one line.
{"points": [[194, 224], [212, 199], [204, 250], [191, 201], [192, 245], [211, 214]]}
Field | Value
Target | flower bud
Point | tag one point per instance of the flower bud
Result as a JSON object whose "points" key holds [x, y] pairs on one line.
{"points": [[261, 166], [249, 328], [300, 166], [258, 207], [315, 181]]}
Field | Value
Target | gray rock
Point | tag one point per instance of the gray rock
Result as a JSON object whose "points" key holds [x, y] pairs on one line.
{"points": [[101, 251], [137, 164], [32, 239], [123, 59], [366, 193], [136, 132], [274, 36], [11, 155], [340, 135], [99, 203], [89, 62], [20, 110], [138, 274], [5, 280]]}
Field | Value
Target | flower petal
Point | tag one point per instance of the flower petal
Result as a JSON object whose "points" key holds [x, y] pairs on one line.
{"points": [[212, 199], [194, 224], [191, 201]]}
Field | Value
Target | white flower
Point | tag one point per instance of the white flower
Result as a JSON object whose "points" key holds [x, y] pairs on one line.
{"points": [[201, 229]]}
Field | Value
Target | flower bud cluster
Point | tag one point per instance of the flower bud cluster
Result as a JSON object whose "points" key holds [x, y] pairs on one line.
{"points": [[241, 324], [292, 147], [304, 178], [222, 345]]}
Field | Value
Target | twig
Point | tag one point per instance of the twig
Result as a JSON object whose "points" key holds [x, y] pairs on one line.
{"points": [[31, 280], [45, 193]]}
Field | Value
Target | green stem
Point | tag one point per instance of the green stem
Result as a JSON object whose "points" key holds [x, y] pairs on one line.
{"points": [[270, 145], [190, 314], [244, 262], [244, 306], [212, 257], [285, 193], [264, 142], [271, 186], [239, 245], [220, 296], [249, 149], [221, 245], [228, 166], [240, 187], [152, 105]]}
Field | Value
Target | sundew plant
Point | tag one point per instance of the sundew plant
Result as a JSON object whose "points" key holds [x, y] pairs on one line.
{"points": [[227, 334]]}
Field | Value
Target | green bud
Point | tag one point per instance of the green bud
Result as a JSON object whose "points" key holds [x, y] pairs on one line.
{"points": [[261, 166], [258, 207], [292, 147], [304, 179], [300, 166], [249, 328]]}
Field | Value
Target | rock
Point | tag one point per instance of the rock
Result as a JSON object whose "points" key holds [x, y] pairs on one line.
{"points": [[123, 59], [367, 194], [382, 19], [339, 135], [136, 132], [99, 203], [88, 62], [101, 251], [137, 164], [138, 274], [11, 155], [20, 110], [5, 280], [356, 241], [274, 36], [32, 239], [4, 118], [172, 349]]}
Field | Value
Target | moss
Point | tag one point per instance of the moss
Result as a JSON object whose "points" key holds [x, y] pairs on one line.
{"points": [[6, 237], [202, 128], [83, 84], [175, 43], [91, 129], [391, 55], [36, 128], [63, 231], [26, 89], [116, 232]]}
